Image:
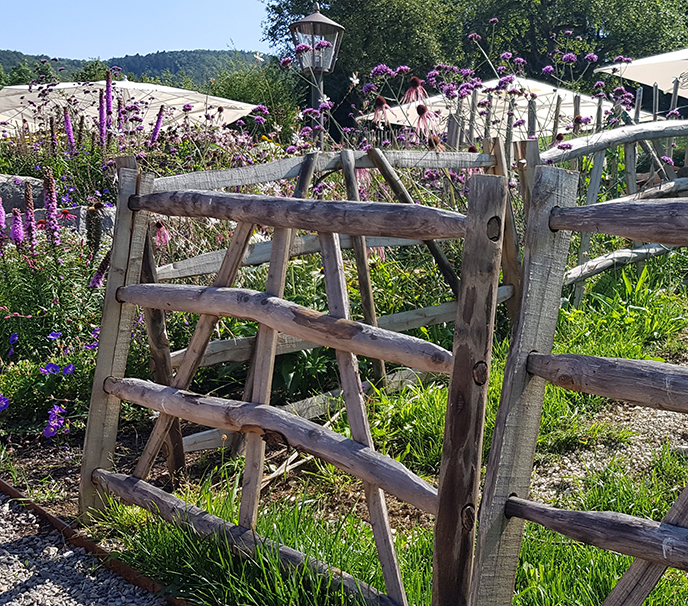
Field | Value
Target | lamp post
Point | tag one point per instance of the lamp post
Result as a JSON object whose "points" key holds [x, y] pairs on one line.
{"points": [[317, 40]]}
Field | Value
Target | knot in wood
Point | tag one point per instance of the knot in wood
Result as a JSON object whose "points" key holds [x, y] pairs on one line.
{"points": [[468, 517], [480, 373], [494, 229]]}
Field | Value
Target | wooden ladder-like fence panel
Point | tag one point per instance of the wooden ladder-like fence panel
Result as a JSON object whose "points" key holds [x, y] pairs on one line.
{"points": [[254, 416]]}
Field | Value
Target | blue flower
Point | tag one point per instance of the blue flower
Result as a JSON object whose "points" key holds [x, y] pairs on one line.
{"points": [[54, 335], [14, 337], [4, 402], [50, 369], [68, 370]]}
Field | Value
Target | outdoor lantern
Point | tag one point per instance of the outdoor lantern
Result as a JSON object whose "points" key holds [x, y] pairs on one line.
{"points": [[316, 40]]}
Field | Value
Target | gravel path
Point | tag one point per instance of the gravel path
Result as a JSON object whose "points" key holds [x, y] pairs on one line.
{"points": [[39, 568]]}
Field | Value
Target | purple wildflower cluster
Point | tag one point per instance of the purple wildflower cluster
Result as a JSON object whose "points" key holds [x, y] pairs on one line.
{"points": [[56, 421]]}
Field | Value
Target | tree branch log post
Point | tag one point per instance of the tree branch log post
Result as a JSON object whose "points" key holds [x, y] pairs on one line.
{"points": [[115, 334], [338, 302], [465, 417], [527, 157], [365, 286], [518, 419], [161, 358], [243, 541], [511, 261], [591, 198], [382, 164]]}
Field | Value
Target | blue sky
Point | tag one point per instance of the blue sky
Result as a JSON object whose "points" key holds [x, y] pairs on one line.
{"points": [[88, 29]]}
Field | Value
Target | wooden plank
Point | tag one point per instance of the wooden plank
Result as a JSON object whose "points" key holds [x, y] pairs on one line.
{"points": [[511, 254], [290, 168], [555, 122], [259, 253], [284, 427], [528, 157], [245, 541], [662, 543], [194, 352], [263, 366], [338, 304], [661, 222], [459, 478], [293, 319], [393, 180], [630, 161], [472, 117], [532, 117], [585, 146], [617, 258], [115, 335], [518, 418], [241, 349], [365, 285], [163, 372], [667, 189], [644, 382], [353, 218], [642, 576], [591, 198]]}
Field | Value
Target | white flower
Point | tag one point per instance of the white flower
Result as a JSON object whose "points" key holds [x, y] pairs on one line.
{"points": [[258, 56], [324, 99], [354, 79], [277, 128]]}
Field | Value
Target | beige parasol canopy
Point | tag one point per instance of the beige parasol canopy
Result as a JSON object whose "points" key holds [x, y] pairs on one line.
{"points": [[545, 97], [35, 103], [660, 69]]}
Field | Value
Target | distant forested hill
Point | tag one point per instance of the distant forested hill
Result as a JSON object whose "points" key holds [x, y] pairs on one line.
{"points": [[171, 66]]}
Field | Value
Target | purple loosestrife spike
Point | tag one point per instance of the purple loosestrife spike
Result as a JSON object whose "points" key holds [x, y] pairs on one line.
{"points": [[108, 98], [102, 125], [99, 276], [17, 230], [30, 218], [158, 124], [69, 131], [50, 202]]}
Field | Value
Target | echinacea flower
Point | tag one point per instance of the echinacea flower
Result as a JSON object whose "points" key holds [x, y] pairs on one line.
{"points": [[425, 124], [162, 235], [380, 113], [415, 92]]}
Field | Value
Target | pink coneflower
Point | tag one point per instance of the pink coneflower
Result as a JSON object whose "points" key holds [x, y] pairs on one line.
{"points": [[426, 121], [380, 113], [162, 235], [415, 92]]}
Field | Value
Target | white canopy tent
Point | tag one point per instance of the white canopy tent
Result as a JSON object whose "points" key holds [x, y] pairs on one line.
{"points": [[545, 96], [661, 69], [34, 103]]}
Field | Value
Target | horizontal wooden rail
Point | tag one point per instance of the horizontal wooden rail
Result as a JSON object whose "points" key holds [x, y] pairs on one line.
{"points": [[327, 161], [584, 146], [241, 349], [661, 222], [281, 426], [285, 316], [645, 382], [415, 222], [668, 189], [243, 541], [617, 258], [653, 541], [259, 253]]}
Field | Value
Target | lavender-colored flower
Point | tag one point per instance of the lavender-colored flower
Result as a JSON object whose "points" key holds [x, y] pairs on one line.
{"points": [[548, 69], [50, 430], [69, 131], [599, 84], [292, 149], [53, 336], [570, 58], [519, 61], [592, 57], [506, 56], [68, 370], [30, 217], [261, 109], [187, 107], [475, 37], [519, 123], [564, 146], [91, 345], [50, 203], [568, 32], [99, 276], [102, 120], [108, 98], [667, 160], [17, 229], [674, 113], [3, 219], [494, 20], [369, 88], [162, 235], [321, 44], [4, 402], [286, 62], [381, 70], [401, 70], [158, 125], [302, 48], [259, 120]]}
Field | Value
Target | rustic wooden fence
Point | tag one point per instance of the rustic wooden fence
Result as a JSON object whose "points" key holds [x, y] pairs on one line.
{"points": [[132, 281]]}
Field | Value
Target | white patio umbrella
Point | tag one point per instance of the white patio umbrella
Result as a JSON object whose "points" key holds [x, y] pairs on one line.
{"points": [[545, 100], [35, 103], [662, 69]]}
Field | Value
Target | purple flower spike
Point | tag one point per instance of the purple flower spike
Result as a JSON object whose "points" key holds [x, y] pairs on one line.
{"points": [[158, 124], [17, 229]]}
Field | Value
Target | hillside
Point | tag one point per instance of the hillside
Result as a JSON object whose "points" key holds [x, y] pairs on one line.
{"points": [[198, 65]]}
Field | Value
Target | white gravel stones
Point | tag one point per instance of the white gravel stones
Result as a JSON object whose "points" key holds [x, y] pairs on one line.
{"points": [[38, 568]]}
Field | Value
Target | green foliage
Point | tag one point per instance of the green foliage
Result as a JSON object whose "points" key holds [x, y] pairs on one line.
{"points": [[91, 71], [20, 74]]}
